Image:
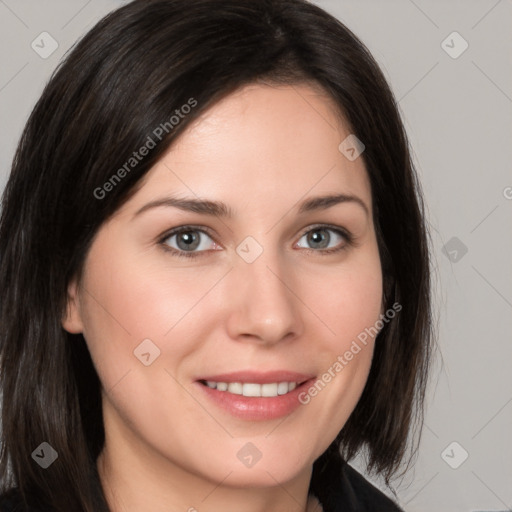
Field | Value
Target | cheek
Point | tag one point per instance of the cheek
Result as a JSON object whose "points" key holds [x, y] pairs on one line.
{"points": [[127, 301], [349, 304], [348, 299]]}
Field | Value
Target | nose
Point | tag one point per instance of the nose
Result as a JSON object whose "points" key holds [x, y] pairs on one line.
{"points": [[265, 305]]}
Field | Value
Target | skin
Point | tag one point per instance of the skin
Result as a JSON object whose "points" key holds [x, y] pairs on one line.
{"points": [[261, 150]]}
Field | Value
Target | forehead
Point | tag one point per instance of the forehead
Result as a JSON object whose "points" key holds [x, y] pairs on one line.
{"points": [[261, 143]]}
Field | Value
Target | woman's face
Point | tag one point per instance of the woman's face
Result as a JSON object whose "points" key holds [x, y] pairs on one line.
{"points": [[265, 291]]}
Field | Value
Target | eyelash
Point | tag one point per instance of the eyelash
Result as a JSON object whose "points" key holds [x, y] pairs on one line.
{"points": [[349, 238]]}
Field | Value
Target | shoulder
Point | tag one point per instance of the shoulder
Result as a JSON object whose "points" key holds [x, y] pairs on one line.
{"points": [[340, 488], [11, 501], [367, 495]]}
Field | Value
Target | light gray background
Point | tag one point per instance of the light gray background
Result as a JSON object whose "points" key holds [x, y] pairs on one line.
{"points": [[457, 112]]}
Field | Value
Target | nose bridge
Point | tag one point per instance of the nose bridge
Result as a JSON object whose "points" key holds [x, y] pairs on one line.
{"points": [[265, 307]]}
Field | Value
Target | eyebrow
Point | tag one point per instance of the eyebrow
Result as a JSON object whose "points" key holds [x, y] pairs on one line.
{"points": [[220, 209]]}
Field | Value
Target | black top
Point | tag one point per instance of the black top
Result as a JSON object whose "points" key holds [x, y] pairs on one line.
{"points": [[344, 490], [348, 491]]}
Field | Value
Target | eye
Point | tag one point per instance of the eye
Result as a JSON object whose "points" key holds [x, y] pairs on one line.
{"points": [[322, 238], [188, 241]]}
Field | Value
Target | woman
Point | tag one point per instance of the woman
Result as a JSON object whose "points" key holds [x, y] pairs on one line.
{"points": [[214, 269]]}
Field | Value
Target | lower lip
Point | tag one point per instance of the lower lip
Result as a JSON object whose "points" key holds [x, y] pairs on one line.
{"points": [[256, 408]]}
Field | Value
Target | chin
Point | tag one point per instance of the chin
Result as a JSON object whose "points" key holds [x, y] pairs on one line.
{"points": [[268, 471]]}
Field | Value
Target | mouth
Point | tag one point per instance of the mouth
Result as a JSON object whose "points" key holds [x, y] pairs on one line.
{"points": [[253, 395], [253, 389]]}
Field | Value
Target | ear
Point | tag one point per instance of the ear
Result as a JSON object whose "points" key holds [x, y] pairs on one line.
{"points": [[72, 320]]}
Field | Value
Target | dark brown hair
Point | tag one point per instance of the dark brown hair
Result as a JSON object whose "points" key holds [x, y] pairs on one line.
{"points": [[124, 78]]}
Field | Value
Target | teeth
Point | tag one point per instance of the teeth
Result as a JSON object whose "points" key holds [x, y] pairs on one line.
{"points": [[270, 389], [235, 387], [282, 388], [253, 389]]}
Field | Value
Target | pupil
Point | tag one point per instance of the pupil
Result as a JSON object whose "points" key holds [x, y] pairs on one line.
{"points": [[318, 237], [189, 239]]}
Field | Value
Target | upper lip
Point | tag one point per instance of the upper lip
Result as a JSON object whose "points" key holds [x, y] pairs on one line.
{"points": [[259, 377]]}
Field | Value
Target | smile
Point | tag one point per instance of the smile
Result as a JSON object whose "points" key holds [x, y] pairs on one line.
{"points": [[253, 395], [253, 389]]}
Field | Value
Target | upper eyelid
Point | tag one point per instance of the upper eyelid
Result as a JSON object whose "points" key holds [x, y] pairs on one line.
{"points": [[191, 227], [185, 228], [340, 229]]}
